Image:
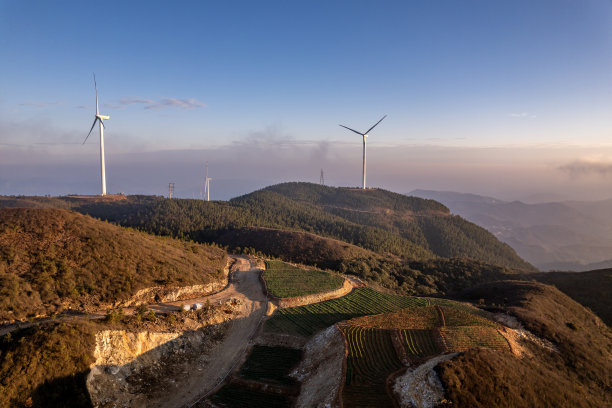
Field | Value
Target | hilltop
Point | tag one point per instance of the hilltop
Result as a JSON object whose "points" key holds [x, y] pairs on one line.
{"points": [[51, 259], [374, 219]]}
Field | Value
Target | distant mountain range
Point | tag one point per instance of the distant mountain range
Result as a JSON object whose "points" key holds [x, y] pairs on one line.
{"points": [[569, 235]]}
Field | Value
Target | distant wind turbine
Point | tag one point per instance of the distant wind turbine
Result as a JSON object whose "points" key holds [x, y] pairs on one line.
{"points": [[99, 118], [365, 135], [207, 184]]}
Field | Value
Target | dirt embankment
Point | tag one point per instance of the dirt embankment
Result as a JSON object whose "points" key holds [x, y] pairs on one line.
{"points": [[345, 289], [420, 386], [134, 369], [320, 371], [159, 294]]}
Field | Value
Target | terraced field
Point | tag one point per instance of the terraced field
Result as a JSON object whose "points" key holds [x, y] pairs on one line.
{"points": [[462, 338], [371, 358], [383, 331], [234, 395], [460, 317], [285, 281], [307, 320], [419, 343], [270, 364], [418, 317], [263, 380], [370, 354]]}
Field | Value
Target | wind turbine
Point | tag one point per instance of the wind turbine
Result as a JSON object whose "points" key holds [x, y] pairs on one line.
{"points": [[365, 135], [99, 118], [207, 184]]}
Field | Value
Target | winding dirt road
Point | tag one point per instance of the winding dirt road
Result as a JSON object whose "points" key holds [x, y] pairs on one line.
{"points": [[208, 372]]}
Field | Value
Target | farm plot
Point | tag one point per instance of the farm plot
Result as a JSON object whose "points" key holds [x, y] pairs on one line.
{"points": [[307, 320], [419, 317], [286, 281], [371, 359], [234, 396], [419, 343], [462, 338], [458, 306], [271, 365], [460, 317]]}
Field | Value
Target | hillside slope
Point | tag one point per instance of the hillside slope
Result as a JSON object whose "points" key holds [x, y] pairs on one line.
{"points": [[51, 257], [377, 220], [591, 289], [563, 236], [425, 222], [577, 372]]}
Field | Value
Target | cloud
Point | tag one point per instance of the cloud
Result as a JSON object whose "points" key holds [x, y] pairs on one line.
{"points": [[522, 115], [135, 101], [189, 103], [84, 106], [40, 104], [586, 168]]}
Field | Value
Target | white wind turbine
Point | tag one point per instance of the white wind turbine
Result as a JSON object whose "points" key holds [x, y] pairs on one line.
{"points": [[365, 135], [99, 118], [207, 184]]}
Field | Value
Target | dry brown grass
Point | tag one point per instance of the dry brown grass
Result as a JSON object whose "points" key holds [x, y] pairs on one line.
{"points": [[578, 375], [48, 257]]}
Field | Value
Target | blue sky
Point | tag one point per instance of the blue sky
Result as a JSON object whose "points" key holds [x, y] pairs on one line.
{"points": [[274, 79]]}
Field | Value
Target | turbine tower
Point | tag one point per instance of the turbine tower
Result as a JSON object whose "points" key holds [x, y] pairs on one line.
{"points": [[365, 135], [207, 184], [99, 118]]}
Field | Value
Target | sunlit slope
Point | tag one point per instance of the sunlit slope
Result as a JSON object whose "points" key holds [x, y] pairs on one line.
{"points": [[575, 370], [50, 256]]}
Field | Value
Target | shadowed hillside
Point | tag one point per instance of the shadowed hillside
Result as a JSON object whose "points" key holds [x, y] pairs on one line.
{"points": [[591, 289], [50, 258]]}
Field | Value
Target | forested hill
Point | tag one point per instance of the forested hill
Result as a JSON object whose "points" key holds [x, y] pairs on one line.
{"points": [[378, 220], [370, 200]]}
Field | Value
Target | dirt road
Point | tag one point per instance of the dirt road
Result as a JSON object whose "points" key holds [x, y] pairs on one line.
{"points": [[207, 372]]}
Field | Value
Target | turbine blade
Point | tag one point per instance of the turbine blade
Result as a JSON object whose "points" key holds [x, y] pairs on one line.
{"points": [[375, 125], [96, 86], [92, 126], [352, 130]]}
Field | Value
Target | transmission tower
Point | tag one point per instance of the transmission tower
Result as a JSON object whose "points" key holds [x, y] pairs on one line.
{"points": [[170, 190]]}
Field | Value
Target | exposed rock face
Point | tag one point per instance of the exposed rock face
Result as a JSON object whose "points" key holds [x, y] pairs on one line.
{"points": [[320, 371], [420, 387], [137, 369]]}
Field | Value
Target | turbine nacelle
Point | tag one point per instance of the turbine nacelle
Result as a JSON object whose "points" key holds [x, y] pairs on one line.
{"points": [[102, 117]]}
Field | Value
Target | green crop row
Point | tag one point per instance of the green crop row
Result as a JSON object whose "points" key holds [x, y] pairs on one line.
{"points": [[307, 320], [285, 281], [419, 343], [371, 355]]}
